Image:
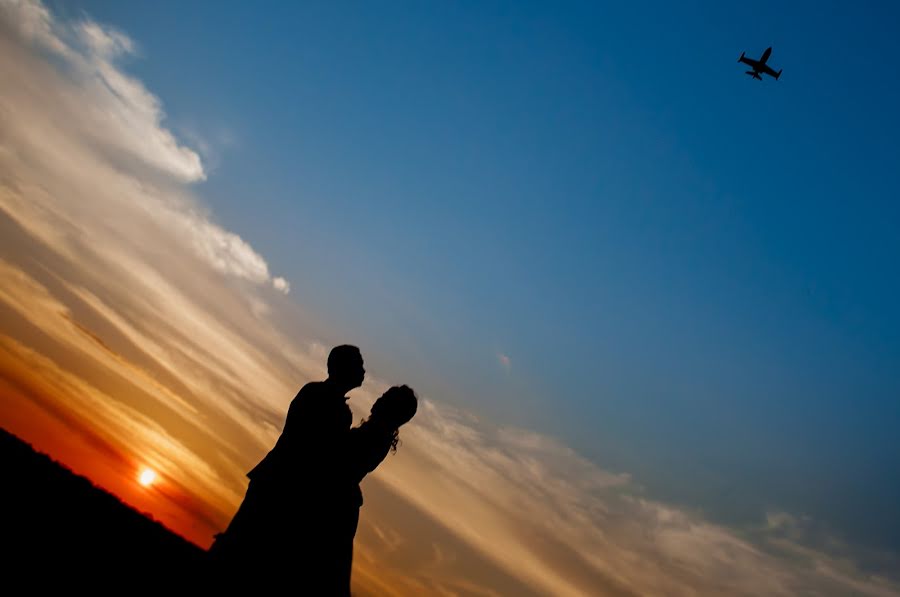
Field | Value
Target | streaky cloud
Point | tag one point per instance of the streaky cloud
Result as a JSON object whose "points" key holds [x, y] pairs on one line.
{"points": [[564, 526], [118, 109], [84, 110]]}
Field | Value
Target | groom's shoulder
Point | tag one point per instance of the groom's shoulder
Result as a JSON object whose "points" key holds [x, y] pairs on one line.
{"points": [[313, 387], [312, 391]]}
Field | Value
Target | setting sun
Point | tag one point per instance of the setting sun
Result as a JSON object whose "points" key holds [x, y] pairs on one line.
{"points": [[147, 477]]}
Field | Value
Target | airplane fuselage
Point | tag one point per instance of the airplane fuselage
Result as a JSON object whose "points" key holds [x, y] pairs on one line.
{"points": [[756, 65]]}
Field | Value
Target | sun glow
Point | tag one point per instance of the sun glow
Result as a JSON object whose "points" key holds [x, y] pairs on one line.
{"points": [[147, 477]]}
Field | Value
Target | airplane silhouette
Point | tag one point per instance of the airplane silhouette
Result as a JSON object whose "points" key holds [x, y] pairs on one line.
{"points": [[759, 66]]}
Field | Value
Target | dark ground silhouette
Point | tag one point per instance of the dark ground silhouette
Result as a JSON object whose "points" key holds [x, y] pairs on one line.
{"points": [[59, 531]]}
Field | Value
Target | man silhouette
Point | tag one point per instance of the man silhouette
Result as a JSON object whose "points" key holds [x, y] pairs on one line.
{"points": [[289, 530]]}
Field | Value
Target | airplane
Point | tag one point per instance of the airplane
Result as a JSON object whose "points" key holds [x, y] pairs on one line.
{"points": [[760, 66]]}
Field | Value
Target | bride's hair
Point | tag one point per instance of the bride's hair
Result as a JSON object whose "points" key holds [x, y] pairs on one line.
{"points": [[397, 406]]}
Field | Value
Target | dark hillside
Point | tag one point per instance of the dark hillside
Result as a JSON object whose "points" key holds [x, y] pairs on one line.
{"points": [[59, 530]]}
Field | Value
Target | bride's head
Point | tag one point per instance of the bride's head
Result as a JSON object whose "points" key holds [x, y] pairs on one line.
{"points": [[395, 407]]}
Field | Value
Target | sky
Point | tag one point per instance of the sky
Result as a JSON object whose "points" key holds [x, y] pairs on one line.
{"points": [[649, 304]]}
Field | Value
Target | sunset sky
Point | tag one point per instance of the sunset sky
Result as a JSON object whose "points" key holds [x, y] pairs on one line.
{"points": [[649, 305]]}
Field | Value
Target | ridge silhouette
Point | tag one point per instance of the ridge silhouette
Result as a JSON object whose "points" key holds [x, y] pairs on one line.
{"points": [[60, 532], [296, 524], [293, 531]]}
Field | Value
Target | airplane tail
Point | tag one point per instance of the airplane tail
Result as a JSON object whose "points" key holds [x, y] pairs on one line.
{"points": [[778, 74]]}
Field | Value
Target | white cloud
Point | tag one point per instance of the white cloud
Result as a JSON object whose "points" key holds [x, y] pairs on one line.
{"points": [[281, 285], [33, 21], [86, 113], [504, 360], [116, 108], [105, 42]]}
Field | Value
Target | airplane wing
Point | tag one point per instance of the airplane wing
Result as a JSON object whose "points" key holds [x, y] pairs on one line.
{"points": [[769, 70]]}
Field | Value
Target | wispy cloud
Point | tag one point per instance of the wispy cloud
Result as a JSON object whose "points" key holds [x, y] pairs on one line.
{"points": [[117, 110], [91, 124], [129, 312], [544, 515]]}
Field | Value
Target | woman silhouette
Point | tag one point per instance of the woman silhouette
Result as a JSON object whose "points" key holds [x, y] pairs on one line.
{"points": [[368, 447]]}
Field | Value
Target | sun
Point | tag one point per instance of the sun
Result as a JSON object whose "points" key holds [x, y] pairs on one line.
{"points": [[147, 477]]}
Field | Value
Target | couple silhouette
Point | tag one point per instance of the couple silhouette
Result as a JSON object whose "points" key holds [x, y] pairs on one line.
{"points": [[294, 529]]}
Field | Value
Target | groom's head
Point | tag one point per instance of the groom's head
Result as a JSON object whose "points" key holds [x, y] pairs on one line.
{"points": [[345, 366]]}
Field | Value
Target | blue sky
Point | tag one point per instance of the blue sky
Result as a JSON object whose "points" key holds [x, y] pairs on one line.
{"points": [[692, 273]]}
